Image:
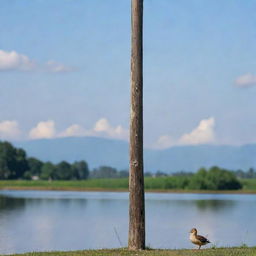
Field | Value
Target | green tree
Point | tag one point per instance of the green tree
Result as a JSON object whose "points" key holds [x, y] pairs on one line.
{"points": [[7, 160], [13, 162], [80, 170], [35, 166], [214, 179], [22, 163], [48, 171], [199, 180], [64, 171], [104, 172]]}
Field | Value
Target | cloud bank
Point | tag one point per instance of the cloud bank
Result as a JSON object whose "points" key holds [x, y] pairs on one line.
{"points": [[102, 128], [202, 134]]}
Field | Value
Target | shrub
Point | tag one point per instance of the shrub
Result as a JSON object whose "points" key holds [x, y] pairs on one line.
{"points": [[214, 179]]}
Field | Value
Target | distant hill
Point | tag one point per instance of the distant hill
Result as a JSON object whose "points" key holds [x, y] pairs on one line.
{"points": [[115, 153], [96, 151]]}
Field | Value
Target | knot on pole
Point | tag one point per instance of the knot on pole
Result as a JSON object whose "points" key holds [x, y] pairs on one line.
{"points": [[135, 163]]}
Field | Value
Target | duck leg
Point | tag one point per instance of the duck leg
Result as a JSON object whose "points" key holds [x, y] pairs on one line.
{"points": [[199, 247]]}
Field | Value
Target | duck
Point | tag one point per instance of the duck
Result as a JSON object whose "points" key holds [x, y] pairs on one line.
{"points": [[197, 239]]}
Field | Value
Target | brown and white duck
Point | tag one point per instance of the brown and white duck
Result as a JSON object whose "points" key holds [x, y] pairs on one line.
{"points": [[197, 239]]}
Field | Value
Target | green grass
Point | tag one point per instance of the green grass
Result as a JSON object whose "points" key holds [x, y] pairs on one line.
{"points": [[249, 184], [125, 252], [167, 184], [107, 184]]}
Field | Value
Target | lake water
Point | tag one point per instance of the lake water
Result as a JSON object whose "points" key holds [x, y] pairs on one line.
{"points": [[50, 220]]}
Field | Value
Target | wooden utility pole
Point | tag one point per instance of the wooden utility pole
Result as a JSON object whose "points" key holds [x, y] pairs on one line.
{"points": [[136, 178]]}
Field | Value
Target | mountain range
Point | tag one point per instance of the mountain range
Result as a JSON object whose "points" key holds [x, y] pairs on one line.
{"points": [[115, 153]]}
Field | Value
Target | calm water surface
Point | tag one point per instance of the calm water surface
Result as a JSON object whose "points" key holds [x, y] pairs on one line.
{"points": [[46, 220]]}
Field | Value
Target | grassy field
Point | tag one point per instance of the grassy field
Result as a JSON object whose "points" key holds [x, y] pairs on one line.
{"points": [[249, 184], [124, 252], [160, 184], [90, 184]]}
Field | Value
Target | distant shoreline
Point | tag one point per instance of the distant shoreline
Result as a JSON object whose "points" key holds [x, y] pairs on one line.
{"points": [[38, 188], [152, 185]]}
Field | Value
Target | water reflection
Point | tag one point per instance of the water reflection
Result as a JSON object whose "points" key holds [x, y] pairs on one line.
{"points": [[201, 205], [215, 205], [7, 203], [39, 221]]}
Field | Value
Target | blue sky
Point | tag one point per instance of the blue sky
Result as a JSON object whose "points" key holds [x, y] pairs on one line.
{"points": [[65, 66]]}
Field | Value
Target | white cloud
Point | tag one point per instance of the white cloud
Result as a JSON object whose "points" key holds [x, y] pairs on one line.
{"points": [[11, 61], [55, 67], [43, 130], [203, 133], [104, 128], [15, 61], [9, 130], [245, 81], [164, 141], [74, 130], [102, 125]]}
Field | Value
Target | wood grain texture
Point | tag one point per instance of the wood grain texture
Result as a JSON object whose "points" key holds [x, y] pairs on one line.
{"points": [[136, 178]]}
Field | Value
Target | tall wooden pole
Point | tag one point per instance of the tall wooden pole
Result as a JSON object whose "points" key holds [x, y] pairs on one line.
{"points": [[136, 178]]}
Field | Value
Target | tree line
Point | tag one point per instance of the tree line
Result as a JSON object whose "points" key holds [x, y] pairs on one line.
{"points": [[14, 164], [214, 178], [241, 174]]}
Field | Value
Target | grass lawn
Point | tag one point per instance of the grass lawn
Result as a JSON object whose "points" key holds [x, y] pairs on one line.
{"points": [[124, 252]]}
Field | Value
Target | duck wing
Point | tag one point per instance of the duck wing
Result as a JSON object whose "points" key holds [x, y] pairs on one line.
{"points": [[203, 239]]}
